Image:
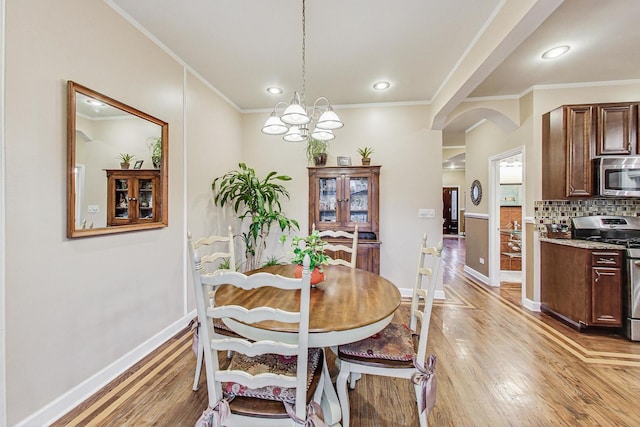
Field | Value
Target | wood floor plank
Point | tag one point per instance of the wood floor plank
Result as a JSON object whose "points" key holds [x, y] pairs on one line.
{"points": [[498, 364]]}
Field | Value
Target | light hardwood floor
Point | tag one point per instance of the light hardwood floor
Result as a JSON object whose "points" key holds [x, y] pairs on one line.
{"points": [[498, 365]]}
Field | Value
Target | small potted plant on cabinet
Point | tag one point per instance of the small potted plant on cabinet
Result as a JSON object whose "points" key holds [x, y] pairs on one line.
{"points": [[317, 151], [313, 246], [125, 160], [365, 152]]}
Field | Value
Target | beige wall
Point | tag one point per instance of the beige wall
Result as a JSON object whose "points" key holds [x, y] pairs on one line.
{"points": [[477, 235], [75, 308], [213, 130], [482, 143], [410, 177], [455, 178]]}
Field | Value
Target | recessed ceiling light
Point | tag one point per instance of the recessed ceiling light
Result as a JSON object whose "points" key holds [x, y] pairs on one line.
{"points": [[381, 85], [274, 90], [555, 52], [96, 103]]}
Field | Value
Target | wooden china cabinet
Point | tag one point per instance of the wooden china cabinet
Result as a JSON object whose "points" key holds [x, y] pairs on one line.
{"points": [[341, 197], [132, 196]]}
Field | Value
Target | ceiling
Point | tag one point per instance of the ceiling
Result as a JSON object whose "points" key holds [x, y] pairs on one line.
{"points": [[243, 47]]}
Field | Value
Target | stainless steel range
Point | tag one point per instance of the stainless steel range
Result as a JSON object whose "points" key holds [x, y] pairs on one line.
{"points": [[624, 231]]}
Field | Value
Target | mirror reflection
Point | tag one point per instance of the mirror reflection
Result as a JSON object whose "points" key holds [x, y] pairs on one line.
{"points": [[117, 166]]}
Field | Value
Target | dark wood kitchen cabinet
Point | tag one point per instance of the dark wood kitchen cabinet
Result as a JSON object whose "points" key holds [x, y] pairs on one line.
{"points": [[573, 135], [341, 198], [568, 134], [581, 286], [616, 129]]}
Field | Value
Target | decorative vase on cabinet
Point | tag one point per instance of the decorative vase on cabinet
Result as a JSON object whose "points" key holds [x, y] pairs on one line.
{"points": [[341, 198]]}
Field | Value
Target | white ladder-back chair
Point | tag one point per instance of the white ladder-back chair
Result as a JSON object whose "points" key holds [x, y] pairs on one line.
{"points": [[350, 246], [253, 390], [394, 352], [206, 256]]}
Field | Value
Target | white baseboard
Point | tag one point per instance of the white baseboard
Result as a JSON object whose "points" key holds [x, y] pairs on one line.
{"points": [[531, 305], [481, 277], [408, 293], [72, 398]]}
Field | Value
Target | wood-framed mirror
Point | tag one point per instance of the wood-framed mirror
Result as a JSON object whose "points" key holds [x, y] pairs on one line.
{"points": [[103, 195]]}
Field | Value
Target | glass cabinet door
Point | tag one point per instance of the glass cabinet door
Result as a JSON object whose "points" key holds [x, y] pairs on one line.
{"points": [[121, 199], [145, 199], [328, 200], [359, 199]]}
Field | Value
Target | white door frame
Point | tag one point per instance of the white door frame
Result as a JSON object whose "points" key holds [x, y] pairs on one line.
{"points": [[494, 216]]}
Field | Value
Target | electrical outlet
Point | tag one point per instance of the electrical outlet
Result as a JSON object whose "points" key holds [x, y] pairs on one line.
{"points": [[426, 213], [93, 208], [481, 261]]}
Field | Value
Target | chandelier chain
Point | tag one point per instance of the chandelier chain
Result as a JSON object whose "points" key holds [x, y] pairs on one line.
{"points": [[299, 123], [304, 37]]}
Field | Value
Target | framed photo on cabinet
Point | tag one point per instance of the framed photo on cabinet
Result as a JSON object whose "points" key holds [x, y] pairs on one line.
{"points": [[344, 161]]}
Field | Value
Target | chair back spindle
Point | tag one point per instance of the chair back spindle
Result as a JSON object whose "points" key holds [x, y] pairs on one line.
{"points": [[348, 246]]}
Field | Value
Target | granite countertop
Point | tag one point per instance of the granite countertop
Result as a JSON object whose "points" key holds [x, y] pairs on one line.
{"points": [[585, 244]]}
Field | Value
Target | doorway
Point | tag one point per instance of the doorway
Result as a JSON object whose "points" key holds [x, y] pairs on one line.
{"points": [[506, 217], [450, 211]]}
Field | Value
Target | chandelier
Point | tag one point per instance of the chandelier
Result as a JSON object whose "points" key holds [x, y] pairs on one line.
{"points": [[297, 122]]}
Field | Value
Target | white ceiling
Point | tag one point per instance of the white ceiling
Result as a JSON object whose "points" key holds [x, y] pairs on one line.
{"points": [[241, 47]]}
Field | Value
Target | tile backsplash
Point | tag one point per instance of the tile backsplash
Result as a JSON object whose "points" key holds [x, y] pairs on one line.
{"points": [[561, 211]]}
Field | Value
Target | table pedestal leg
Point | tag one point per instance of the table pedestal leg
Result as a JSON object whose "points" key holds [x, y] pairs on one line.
{"points": [[330, 403]]}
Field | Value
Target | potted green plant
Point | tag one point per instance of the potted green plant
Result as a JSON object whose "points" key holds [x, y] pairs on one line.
{"points": [[257, 200], [365, 152], [125, 160], [313, 246], [154, 144], [317, 151]]}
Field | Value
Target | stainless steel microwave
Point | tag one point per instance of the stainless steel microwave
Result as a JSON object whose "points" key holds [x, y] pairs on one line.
{"points": [[617, 176]]}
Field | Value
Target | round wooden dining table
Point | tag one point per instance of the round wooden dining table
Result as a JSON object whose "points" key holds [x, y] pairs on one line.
{"points": [[348, 305]]}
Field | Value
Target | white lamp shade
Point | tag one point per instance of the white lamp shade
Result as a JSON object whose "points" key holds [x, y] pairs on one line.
{"points": [[295, 115], [329, 120], [274, 126], [294, 135], [322, 134]]}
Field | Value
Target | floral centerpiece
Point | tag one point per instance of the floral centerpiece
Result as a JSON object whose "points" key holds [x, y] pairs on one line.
{"points": [[313, 246]]}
